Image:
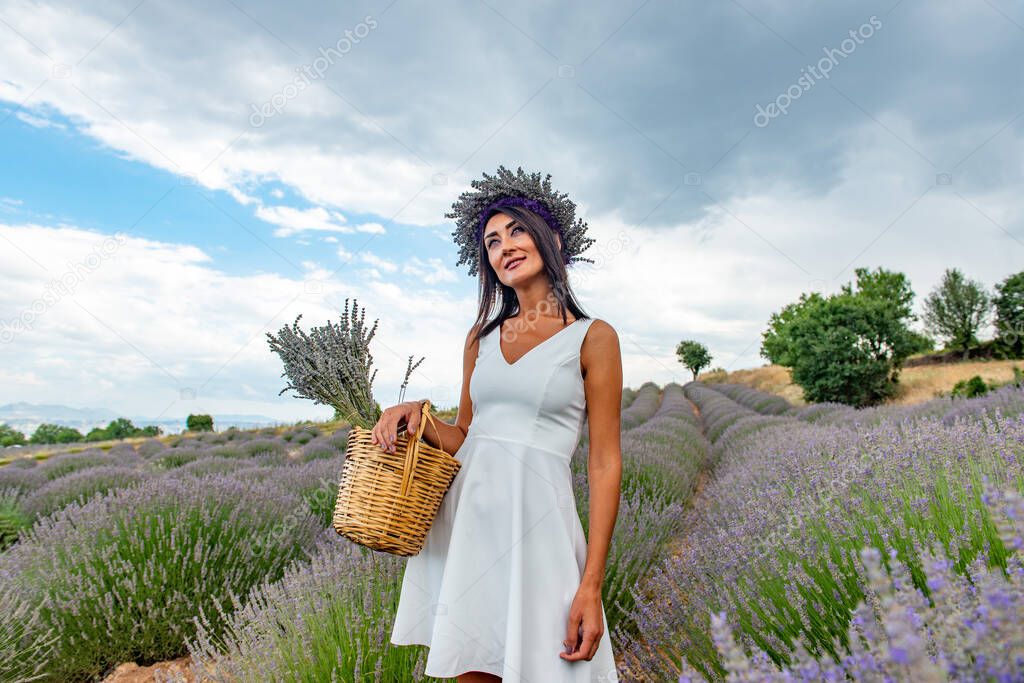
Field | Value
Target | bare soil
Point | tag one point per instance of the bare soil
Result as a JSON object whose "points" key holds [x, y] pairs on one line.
{"points": [[175, 669]]}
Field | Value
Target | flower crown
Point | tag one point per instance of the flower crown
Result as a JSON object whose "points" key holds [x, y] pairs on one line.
{"points": [[474, 207]]}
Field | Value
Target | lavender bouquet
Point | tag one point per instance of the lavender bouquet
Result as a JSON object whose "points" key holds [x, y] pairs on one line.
{"points": [[331, 365]]}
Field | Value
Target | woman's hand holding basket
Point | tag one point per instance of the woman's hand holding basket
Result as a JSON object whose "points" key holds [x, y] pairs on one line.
{"points": [[407, 414]]}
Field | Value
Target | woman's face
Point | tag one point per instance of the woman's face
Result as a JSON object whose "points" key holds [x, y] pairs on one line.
{"points": [[511, 250]]}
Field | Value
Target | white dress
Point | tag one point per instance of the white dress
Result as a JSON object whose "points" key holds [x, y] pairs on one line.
{"points": [[492, 587]]}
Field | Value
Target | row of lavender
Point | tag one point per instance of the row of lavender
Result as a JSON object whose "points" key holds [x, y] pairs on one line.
{"points": [[219, 545], [882, 545], [1005, 401], [663, 452]]}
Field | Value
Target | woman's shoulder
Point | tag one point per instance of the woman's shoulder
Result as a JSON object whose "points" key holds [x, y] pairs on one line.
{"points": [[600, 335], [600, 327]]}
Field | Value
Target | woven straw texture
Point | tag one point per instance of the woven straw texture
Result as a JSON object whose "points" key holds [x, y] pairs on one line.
{"points": [[388, 501]]}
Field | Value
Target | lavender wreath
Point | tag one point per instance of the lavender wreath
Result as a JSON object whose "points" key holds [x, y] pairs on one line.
{"points": [[474, 207]]}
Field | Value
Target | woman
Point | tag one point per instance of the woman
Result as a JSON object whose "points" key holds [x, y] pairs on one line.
{"points": [[507, 588]]}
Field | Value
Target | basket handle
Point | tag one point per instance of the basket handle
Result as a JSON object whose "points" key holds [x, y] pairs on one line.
{"points": [[412, 452]]}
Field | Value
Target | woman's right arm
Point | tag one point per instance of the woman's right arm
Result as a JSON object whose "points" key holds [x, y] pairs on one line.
{"points": [[439, 434]]}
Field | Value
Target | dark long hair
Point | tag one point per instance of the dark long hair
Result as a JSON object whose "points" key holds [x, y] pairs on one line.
{"points": [[508, 303]]}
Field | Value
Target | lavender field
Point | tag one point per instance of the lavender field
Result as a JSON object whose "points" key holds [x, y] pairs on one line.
{"points": [[836, 544], [756, 541]]}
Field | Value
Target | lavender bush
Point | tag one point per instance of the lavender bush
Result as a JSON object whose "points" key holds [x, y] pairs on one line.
{"points": [[25, 645], [328, 620], [211, 464], [21, 479], [257, 447], [301, 434], [120, 577], [172, 458], [23, 463], [149, 447], [628, 396], [758, 401], [962, 628], [643, 406], [13, 519], [80, 486], [315, 482], [66, 463], [322, 448]]}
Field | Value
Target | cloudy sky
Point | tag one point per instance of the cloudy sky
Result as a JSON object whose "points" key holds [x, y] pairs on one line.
{"points": [[178, 179]]}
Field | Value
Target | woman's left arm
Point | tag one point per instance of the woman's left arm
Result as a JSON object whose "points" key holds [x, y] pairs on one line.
{"points": [[602, 361]]}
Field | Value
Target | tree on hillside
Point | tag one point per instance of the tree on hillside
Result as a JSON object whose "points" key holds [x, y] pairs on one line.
{"points": [[199, 423], [776, 340], [121, 428], [893, 288], [956, 309], [52, 433], [847, 347], [885, 285], [920, 342], [1009, 303], [693, 355], [9, 436]]}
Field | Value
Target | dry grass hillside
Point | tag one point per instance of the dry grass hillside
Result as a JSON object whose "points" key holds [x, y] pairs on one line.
{"points": [[917, 384]]}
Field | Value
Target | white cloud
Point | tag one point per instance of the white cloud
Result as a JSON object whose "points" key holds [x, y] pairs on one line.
{"points": [[371, 228], [432, 270], [378, 262], [39, 121], [292, 221], [151, 318]]}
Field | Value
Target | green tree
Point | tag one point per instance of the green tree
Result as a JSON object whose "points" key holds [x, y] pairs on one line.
{"points": [[9, 436], [52, 433], [776, 342], [199, 423], [693, 355], [849, 348], [1009, 304], [885, 285], [920, 343], [121, 428], [894, 289], [971, 388], [956, 309]]}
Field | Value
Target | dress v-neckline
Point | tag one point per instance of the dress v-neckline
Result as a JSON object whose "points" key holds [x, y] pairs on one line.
{"points": [[534, 348]]}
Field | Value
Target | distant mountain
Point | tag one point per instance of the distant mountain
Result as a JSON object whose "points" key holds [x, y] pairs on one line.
{"points": [[26, 417]]}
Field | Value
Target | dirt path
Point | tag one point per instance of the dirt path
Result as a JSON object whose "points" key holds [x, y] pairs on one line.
{"points": [[677, 547], [175, 669]]}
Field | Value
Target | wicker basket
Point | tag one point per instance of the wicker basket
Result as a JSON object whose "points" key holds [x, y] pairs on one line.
{"points": [[388, 501]]}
